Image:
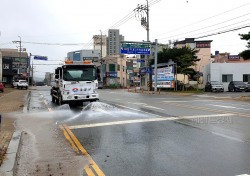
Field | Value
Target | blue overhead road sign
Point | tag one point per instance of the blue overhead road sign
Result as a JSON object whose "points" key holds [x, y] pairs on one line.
{"points": [[40, 58], [135, 48], [144, 51]]}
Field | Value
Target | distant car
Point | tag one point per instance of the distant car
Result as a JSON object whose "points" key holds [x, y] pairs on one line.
{"points": [[20, 84], [100, 84], [40, 84], [237, 86], [248, 86], [214, 86], [1, 87]]}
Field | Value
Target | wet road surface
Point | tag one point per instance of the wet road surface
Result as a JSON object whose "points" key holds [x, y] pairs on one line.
{"points": [[140, 134]]}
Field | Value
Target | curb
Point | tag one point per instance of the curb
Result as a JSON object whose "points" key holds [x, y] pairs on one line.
{"points": [[9, 166]]}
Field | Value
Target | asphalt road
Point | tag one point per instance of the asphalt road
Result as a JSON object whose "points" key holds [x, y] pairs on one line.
{"points": [[129, 133]]}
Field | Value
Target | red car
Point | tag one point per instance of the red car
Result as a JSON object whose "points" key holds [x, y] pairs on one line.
{"points": [[1, 87]]}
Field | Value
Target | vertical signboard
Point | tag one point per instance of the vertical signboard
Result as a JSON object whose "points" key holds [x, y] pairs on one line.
{"points": [[165, 77]]}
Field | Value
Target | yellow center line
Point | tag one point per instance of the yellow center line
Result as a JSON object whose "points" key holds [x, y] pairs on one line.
{"points": [[78, 146], [89, 171], [69, 139], [209, 109], [84, 152]]}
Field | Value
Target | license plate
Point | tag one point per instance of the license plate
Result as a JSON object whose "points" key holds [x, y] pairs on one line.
{"points": [[241, 88]]}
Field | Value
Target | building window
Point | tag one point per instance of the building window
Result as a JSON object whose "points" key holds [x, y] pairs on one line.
{"points": [[111, 67], [118, 67], [123, 68], [5, 79], [246, 78], [6, 66], [227, 78]]}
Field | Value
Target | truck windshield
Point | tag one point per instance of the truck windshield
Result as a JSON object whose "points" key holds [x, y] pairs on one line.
{"points": [[79, 74]]}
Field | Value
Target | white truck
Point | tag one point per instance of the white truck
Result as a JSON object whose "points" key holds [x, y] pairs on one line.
{"points": [[75, 82]]}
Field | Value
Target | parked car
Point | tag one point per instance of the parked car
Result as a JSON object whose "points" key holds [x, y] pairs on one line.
{"points": [[214, 86], [235, 86], [20, 84], [1, 87], [248, 86]]}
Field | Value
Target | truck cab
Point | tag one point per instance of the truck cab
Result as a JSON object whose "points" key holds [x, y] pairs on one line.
{"points": [[75, 82]]}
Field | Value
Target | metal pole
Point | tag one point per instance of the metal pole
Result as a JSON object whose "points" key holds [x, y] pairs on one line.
{"points": [[20, 48], [32, 74], [156, 51], [147, 22], [101, 59], [176, 78]]}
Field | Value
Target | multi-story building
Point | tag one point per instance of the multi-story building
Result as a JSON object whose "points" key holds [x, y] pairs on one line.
{"points": [[118, 71], [204, 51], [113, 42], [81, 55], [14, 64]]}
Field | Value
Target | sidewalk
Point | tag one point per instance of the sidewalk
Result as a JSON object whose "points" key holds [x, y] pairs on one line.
{"points": [[11, 100]]}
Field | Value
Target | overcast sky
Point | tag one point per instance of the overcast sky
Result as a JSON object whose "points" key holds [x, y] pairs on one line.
{"points": [[76, 21]]}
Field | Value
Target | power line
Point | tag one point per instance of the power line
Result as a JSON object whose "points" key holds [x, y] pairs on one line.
{"points": [[211, 26], [59, 44], [221, 32], [197, 22], [129, 16], [219, 28]]}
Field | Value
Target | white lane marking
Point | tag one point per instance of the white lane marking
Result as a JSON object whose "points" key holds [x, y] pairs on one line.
{"points": [[209, 96], [138, 110], [180, 101], [243, 175], [229, 107], [174, 101], [152, 107], [145, 105], [229, 137], [138, 103], [144, 120]]}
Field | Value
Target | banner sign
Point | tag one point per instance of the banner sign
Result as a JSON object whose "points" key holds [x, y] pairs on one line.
{"points": [[165, 77], [202, 45], [111, 74], [233, 57]]}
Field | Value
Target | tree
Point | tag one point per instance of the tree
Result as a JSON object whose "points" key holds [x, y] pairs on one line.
{"points": [[246, 53], [184, 58]]}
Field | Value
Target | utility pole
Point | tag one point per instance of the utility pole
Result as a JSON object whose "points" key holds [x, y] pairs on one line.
{"points": [[140, 11], [156, 61], [101, 60], [20, 49]]}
